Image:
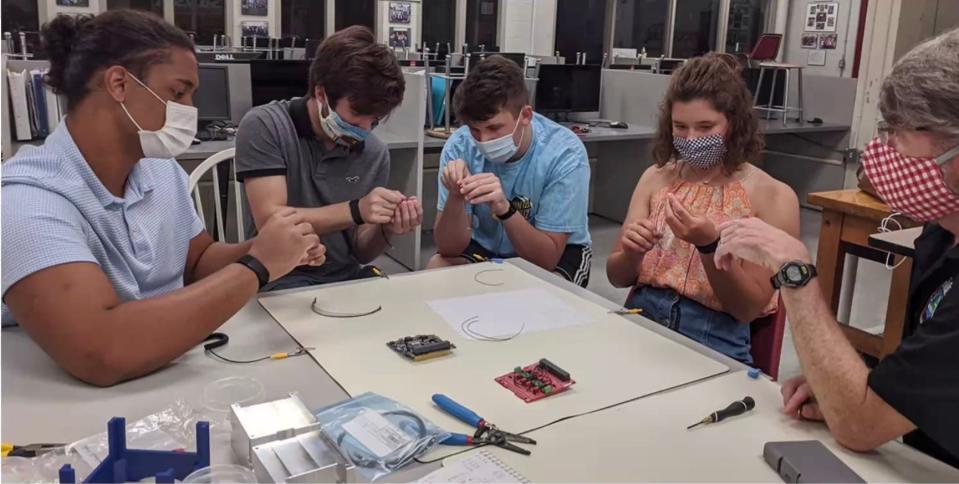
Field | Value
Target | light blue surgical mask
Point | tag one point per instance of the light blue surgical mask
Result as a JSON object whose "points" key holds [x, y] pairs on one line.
{"points": [[338, 129], [500, 150]]}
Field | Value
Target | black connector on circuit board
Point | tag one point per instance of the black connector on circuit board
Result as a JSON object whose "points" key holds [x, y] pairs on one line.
{"points": [[554, 370], [421, 347]]}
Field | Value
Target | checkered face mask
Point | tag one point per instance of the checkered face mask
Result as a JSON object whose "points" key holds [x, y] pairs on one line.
{"points": [[912, 186], [702, 153]]}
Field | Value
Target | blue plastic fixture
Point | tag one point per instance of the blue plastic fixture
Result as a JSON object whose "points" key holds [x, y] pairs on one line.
{"points": [[127, 465]]}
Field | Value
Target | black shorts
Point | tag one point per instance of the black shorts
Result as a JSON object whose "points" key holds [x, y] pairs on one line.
{"points": [[573, 265]]}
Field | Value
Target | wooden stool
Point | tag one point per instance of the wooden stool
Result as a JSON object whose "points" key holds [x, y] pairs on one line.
{"points": [[771, 107], [849, 218]]}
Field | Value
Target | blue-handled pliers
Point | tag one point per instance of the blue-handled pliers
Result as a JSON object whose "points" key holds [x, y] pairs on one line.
{"points": [[486, 433]]}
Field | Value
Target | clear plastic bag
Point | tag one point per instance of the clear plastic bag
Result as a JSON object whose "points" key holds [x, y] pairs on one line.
{"points": [[377, 434], [169, 429]]}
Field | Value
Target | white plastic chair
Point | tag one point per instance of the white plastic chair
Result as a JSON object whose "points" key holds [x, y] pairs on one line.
{"points": [[208, 165]]}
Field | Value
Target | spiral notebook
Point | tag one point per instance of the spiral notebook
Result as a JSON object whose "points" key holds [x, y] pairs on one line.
{"points": [[480, 467]]}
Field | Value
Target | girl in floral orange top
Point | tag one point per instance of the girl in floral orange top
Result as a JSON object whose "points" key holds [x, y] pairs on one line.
{"points": [[708, 134]]}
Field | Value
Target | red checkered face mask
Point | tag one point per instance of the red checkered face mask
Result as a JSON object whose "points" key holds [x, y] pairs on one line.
{"points": [[912, 186]]}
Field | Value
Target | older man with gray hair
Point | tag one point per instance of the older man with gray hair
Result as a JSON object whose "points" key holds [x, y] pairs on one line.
{"points": [[914, 165]]}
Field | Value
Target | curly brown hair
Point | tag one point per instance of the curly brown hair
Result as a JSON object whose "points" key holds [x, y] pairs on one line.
{"points": [[716, 78]]}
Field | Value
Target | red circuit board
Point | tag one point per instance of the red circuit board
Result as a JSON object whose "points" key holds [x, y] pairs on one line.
{"points": [[523, 383]]}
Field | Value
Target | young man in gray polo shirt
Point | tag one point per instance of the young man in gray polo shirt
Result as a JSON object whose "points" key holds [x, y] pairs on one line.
{"points": [[317, 154]]}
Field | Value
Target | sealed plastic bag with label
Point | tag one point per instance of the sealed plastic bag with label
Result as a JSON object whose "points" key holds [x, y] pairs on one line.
{"points": [[377, 434]]}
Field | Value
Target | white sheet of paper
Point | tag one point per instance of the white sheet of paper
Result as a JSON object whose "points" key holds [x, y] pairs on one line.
{"points": [[481, 467], [503, 314], [816, 58], [376, 433]]}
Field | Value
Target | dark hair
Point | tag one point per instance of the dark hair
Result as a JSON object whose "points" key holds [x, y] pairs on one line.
{"points": [[80, 46], [715, 78], [495, 83], [351, 64]]}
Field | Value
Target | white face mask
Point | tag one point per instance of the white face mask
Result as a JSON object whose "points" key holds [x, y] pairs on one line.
{"points": [[177, 133], [500, 150]]}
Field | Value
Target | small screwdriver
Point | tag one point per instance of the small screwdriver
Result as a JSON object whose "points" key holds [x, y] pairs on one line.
{"points": [[736, 408]]}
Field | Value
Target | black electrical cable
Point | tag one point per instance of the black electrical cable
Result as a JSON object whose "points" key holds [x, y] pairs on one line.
{"points": [[216, 340], [239, 362], [576, 415]]}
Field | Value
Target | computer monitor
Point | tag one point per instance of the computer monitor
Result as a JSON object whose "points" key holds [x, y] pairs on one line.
{"points": [[278, 79], [212, 98], [568, 88], [587, 81], [518, 57]]}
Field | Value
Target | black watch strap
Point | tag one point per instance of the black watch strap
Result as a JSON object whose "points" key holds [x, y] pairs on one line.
{"points": [[805, 272], [254, 264], [355, 212], [509, 213], [708, 248]]}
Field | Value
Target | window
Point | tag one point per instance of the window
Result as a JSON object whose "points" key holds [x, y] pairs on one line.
{"points": [[579, 28], [439, 19], [152, 6], [20, 15], [482, 17], [203, 18], [747, 20], [355, 12], [305, 19], [641, 24], [694, 30]]}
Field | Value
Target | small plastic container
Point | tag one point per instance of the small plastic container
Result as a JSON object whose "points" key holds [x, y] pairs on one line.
{"points": [[18, 469], [219, 395], [222, 473]]}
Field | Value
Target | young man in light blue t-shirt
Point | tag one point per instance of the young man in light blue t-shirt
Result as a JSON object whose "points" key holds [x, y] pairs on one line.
{"points": [[511, 182]]}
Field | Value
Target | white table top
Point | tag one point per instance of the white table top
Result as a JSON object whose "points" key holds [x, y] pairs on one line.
{"points": [[647, 440], [43, 404], [594, 350]]}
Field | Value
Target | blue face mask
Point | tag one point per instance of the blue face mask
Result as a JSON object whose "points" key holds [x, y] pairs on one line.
{"points": [[338, 129], [500, 150]]}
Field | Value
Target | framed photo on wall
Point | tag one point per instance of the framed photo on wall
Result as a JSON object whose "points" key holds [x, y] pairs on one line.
{"points": [[828, 41], [400, 12], [256, 8], [822, 16], [73, 3], [399, 37], [809, 41], [255, 28]]}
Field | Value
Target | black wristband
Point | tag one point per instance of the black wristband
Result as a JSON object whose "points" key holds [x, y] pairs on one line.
{"points": [[509, 213], [253, 264], [355, 212], [708, 248]]}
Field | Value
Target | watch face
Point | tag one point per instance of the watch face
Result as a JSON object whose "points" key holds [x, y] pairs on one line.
{"points": [[794, 273]]}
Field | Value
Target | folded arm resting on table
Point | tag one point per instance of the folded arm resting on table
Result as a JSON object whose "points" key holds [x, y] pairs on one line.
{"points": [[858, 417], [73, 312]]}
